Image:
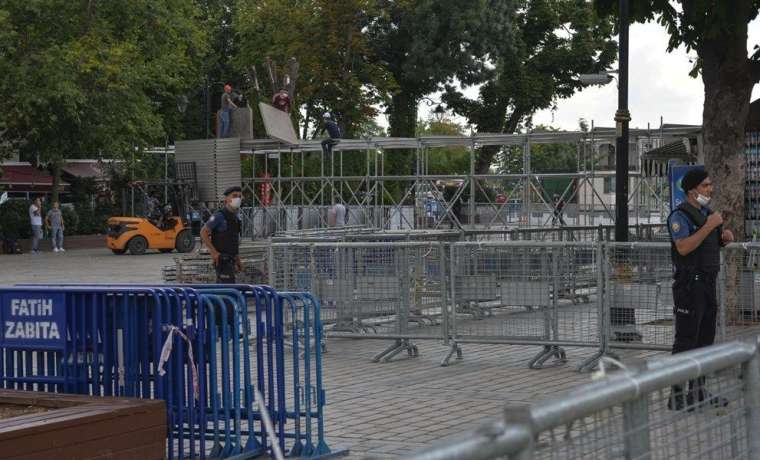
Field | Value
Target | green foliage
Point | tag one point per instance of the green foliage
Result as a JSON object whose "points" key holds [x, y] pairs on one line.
{"points": [[446, 160], [81, 78], [549, 44], [70, 220], [14, 219], [337, 72], [692, 23]]}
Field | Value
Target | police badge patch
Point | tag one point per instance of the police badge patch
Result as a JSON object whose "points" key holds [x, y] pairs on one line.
{"points": [[675, 226]]}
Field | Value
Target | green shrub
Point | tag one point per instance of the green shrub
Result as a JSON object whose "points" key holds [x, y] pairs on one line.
{"points": [[70, 220], [14, 219]]}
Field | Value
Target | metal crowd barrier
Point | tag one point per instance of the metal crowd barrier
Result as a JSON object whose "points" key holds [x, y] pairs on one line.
{"points": [[552, 294], [394, 291], [626, 415], [189, 345], [526, 293]]}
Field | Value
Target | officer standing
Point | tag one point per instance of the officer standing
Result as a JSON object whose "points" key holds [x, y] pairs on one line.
{"points": [[221, 234], [696, 238]]}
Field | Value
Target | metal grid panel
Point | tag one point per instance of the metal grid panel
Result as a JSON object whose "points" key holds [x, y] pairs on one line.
{"points": [[647, 429], [517, 291], [739, 290], [392, 290], [639, 301]]}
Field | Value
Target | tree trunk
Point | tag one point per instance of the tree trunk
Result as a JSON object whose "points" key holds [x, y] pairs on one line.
{"points": [[55, 190], [403, 123], [403, 115], [485, 156], [728, 84]]}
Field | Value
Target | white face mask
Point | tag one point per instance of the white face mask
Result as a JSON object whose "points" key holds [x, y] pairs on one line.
{"points": [[703, 200], [235, 203]]}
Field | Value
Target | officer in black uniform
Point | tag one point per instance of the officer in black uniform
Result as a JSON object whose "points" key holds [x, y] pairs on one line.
{"points": [[696, 235], [221, 234]]}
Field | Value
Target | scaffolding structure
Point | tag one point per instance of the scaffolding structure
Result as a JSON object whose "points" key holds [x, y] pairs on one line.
{"points": [[286, 198]]}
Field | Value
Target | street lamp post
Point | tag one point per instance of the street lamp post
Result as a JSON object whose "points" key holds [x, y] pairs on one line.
{"points": [[622, 117]]}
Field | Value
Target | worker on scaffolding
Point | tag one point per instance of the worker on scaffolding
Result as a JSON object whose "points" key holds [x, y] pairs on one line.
{"points": [[227, 107], [281, 100], [333, 131]]}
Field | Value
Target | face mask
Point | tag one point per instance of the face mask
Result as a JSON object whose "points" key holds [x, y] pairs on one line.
{"points": [[235, 203], [703, 200]]}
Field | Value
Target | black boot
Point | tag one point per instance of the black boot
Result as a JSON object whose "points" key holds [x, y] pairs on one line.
{"points": [[703, 397], [680, 399]]}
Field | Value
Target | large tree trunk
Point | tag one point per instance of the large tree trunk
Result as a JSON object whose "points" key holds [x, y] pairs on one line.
{"points": [[728, 86], [403, 123], [485, 155], [55, 189]]}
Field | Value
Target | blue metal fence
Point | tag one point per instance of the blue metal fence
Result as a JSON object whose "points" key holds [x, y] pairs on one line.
{"points": [[192, 346]]}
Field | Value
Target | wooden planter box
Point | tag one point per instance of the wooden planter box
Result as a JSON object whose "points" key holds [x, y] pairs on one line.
{"points": [[63, 426]]}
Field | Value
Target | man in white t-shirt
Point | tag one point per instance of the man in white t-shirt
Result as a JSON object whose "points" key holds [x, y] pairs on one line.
{"points": [[35, 218]]}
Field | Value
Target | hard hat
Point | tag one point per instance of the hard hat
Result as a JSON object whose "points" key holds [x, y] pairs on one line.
{"points": [[326, 115]]}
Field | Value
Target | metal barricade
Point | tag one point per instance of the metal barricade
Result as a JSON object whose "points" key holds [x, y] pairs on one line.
{"points": [[188, 345], [739, 292], [526, 293], [639, 296], [393, 290], [632, 414]]}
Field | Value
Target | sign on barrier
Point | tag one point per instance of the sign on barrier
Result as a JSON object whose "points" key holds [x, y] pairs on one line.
{"points": [[33, 320]]}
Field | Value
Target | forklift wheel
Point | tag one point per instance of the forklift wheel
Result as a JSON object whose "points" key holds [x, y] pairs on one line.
{"points": [[137, 245]]}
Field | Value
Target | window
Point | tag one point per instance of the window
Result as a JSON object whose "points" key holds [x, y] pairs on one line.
{"points": [[609, 184]]}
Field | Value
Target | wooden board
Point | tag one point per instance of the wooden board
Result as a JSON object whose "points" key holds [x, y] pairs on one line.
{"points": [[83, 427]]}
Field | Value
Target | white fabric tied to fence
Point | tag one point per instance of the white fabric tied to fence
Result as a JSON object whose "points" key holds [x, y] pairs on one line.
{"points": [[166, 352]]}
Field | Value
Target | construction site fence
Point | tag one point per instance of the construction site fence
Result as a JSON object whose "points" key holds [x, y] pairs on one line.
{"points": [[631, 414], [234, 383], [597, 295]]}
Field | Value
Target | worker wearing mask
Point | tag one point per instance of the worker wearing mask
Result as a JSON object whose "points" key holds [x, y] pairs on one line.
{"points": [[221, 235]]}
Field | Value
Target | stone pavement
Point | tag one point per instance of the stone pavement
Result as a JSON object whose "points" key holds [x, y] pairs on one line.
{"points": [[390, 409], [376, 410]]}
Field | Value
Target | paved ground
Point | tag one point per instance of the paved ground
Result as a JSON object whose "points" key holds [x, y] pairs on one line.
{"points": [[376, 410]]}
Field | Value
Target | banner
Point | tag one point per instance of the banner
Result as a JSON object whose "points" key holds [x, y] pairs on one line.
{"points": [[675, 174], [33, 320]]}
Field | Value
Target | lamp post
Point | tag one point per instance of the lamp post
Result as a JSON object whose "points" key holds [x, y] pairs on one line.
{"points": [[622, 117]]}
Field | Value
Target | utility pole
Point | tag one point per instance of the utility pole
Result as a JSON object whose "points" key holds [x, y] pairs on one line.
{"points": [[622, 117]]}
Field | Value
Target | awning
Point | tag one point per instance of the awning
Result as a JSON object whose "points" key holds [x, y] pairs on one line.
{"points": [[23, 178], [85, 169], [655, 161]]}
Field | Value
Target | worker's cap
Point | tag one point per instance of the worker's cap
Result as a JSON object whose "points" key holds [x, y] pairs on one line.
{"points": [[693, 178], [233, 189], [327, 115]]}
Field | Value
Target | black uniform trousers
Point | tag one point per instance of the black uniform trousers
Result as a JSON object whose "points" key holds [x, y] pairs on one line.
{"points": [[695, 310], [225, 269]]}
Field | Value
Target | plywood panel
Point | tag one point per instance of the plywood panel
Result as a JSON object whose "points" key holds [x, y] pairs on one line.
{"points": [[278, 124]]}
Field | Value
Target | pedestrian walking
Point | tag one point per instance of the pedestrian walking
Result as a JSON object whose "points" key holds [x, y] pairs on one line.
{"points": [[35, 219], [55, 225], [697, 235]]}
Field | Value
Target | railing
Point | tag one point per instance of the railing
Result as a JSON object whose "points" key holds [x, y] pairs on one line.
{"points": [[634, 414]]}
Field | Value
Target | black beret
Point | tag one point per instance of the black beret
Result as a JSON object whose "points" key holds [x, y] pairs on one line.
{"points": [[234, 188], [693, 178]]}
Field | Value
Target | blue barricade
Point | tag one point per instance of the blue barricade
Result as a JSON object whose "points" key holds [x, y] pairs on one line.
{"points": [[112, 341]]}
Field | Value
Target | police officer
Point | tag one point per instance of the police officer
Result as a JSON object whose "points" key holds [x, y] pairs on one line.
{"points": [[696, 238], [221, 234]]}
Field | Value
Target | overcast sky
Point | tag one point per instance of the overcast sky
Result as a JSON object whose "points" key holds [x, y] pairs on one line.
{"points": [[659, 85]]}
